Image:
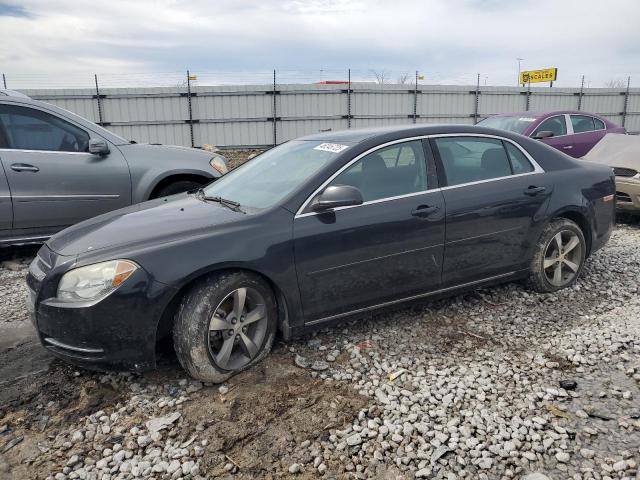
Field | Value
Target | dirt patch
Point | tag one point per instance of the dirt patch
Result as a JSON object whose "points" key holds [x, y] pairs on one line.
{"points": [[267, 411]]}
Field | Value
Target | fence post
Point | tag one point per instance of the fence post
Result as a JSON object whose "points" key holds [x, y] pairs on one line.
{"points": [[190, 109], [99, 100], [528, 96], [626, 102], [581, 93], [274, 109], [415, 100], [4, 80], [349, 99], [475, 112]]}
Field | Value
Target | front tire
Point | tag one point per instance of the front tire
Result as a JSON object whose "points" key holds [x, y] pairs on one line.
{"points": [[225, 324], [558, 256]]}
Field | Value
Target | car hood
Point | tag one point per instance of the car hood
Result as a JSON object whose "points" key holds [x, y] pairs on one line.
{"points": [[150, 148], [161, 220], [616, 150]]}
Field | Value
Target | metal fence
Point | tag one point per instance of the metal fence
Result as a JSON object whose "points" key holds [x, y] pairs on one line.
{"points": [[269, 114]]}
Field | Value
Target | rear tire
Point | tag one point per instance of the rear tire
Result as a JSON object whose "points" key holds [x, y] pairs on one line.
{"points": [[225, 324], [177, 187], [558, 256]]}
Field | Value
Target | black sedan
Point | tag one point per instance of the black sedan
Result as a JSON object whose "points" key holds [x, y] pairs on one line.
{"points": [[316, 230]]}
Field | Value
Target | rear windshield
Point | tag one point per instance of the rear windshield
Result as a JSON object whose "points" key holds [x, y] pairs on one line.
{"points": [[511, 124]]}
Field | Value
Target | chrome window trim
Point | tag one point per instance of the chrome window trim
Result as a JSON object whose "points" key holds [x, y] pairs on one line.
{"points": [[536, 170], [43, 151]]}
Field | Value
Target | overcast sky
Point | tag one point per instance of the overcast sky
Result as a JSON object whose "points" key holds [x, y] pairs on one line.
{"points": [[63, 42]]}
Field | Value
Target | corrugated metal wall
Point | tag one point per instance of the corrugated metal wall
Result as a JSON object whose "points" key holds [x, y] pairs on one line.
{"points": [[257, 115]]}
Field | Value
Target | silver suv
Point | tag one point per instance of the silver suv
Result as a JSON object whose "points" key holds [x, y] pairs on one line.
{"points": [[57, 169]]}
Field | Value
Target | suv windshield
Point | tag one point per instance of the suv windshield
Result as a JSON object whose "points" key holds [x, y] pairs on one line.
{"points": [[270, 177], [511, 124]]}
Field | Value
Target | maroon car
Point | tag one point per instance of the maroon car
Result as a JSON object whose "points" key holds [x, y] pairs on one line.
{"points": [[573, 133]]}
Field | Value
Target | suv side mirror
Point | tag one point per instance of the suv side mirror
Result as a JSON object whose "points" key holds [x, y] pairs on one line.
{"points": [[98, 146], [543, 134], [337, 196]]}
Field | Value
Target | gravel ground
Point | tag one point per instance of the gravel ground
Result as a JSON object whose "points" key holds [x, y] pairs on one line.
{"points": [[497, 383]]}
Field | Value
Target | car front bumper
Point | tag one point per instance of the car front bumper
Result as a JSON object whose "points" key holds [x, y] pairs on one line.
{"points": [[628, 194], [118, 332]]}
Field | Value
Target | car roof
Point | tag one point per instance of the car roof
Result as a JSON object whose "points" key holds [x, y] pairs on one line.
{"points": [[540, 114], [358, 135], [12, 93]]}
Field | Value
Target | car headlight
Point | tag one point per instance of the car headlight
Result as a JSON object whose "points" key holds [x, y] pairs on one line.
{"points": [[218, 165], [94, 281]]}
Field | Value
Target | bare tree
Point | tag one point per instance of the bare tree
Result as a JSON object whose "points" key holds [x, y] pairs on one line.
{"points": [[615, 83], [403, 79], [381, 76]]}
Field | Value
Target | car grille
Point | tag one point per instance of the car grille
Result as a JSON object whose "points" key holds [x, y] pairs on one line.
{"points": [[622, 197], [624, 172]]}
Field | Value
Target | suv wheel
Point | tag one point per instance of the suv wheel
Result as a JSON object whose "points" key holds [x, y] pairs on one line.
{"points": [[558, 257], [224, 325]]}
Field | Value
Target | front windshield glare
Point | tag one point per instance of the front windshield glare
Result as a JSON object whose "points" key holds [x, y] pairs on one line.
{"points": [[511, 124], [270, 177]]}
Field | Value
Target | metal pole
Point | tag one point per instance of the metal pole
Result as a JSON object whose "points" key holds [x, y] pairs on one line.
{"points": [[4, 80], [626, 102], [190, 109], [475, 113], [275, 127], [581, 93], [100, 122], [415, 100], [528, 95], [349, 101]]}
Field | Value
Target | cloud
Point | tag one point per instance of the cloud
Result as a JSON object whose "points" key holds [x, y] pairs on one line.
{"points": [[64, 42]]}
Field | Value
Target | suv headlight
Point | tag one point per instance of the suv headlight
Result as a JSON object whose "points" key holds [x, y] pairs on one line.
{"points": [[218, 165], [95, 281]]}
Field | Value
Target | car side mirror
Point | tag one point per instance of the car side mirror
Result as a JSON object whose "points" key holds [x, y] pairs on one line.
{"points": [[337, 196], [98, 146], [543, 134]]}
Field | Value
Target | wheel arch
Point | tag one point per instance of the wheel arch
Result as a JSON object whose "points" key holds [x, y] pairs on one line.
{"points": [[172, 178], [165, 324], [579, 218]]}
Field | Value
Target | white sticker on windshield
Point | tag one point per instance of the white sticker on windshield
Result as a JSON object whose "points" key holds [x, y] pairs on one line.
{"points": [[331, 147], [527, 119]]}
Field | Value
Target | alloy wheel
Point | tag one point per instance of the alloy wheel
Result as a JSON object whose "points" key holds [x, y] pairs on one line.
{"points": [[562, 258], [237, 328]]}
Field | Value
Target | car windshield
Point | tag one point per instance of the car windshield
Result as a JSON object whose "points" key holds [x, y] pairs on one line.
{"points": [[270, 177], [511, 124]]}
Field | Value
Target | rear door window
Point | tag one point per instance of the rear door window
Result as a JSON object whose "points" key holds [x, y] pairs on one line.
{"points": [[556, 125], [598, 123], [472, 159], [31, 129], [519, 162], [582, 123]]}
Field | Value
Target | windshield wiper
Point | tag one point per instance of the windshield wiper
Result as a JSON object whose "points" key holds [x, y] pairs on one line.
{"points": [[230, 204]]}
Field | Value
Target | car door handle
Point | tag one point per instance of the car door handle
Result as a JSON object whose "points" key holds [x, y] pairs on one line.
{"points": [[532, 191], [567, 147], [424, 210], [24, 167]]}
